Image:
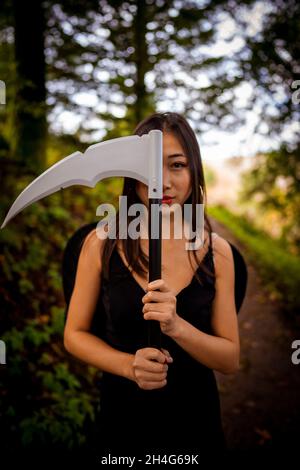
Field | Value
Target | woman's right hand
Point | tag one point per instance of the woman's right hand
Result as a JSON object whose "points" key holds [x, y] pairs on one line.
{"points": [[150, 366]]}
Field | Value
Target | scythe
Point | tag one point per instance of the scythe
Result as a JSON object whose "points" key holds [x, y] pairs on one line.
{"points": [[138, 157]]}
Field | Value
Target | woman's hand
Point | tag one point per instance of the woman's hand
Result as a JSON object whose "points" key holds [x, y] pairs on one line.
{"points": [[150, 368], [161, 306]]}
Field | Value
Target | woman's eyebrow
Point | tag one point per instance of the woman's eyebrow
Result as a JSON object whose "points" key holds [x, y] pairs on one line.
{"points": [[176, 155]]}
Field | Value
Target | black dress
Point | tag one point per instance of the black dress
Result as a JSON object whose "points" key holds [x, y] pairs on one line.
{"points": [[183, 416]]}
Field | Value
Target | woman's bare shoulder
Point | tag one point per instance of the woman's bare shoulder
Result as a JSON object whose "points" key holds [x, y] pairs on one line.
{"points": [[222, 252], [220, 243], [93, 245]]}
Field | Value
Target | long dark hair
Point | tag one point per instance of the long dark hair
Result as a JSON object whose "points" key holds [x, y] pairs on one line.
{"points": [[176, 124]]}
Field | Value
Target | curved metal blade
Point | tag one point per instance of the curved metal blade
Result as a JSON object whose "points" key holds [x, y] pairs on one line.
{"points": [[131, 156]]}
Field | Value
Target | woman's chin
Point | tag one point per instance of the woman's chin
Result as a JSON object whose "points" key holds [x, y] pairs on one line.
{"points": [[171, 208], [166, 207]]}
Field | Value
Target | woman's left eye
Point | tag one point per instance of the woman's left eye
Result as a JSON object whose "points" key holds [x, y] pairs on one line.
{"points": [[178, 163]]}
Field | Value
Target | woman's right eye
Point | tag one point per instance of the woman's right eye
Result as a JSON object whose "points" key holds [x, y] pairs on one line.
{"points": [[179, 163]]}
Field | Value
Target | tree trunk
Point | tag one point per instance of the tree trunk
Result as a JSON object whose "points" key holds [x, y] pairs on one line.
{"points": [[141, 56], [29, 144]]}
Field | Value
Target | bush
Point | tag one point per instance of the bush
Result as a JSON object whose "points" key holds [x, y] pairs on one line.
{"points": [[48, 399], [279, 269]]}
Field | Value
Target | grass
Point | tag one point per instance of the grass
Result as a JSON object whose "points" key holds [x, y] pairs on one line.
{"points": [[278, 268]]}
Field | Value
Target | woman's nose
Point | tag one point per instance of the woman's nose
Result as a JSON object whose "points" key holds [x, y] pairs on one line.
{"points": [[166, 180]]}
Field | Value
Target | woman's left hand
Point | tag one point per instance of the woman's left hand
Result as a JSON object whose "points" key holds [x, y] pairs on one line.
{"points": [[161, 306]]}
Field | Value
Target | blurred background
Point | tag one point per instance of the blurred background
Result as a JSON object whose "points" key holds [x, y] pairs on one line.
{"points": [[75, 73]]}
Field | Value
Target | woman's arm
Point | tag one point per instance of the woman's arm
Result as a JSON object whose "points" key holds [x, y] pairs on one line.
{"points": [[221, 351], [78, 341], [147, 367]]}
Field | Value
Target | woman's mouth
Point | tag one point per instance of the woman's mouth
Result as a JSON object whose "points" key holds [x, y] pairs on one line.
{"points": [[167, 200]]}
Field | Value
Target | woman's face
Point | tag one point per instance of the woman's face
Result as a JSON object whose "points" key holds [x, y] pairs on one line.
{"points": [[176, 173]]}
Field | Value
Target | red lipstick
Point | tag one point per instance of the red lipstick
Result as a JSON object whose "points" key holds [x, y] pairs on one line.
{"points": [[167, 199]]}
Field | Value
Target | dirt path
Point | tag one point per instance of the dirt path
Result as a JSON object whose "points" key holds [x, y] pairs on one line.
{"points": [[261, 403]]}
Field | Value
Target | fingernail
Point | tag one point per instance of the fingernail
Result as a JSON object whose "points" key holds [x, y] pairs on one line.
{"points": [[152, 283]]}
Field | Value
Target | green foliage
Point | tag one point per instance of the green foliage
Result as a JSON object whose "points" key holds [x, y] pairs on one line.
{"points": [[210, 177], [62, 417], [71, 64], [45, 403], [270, 60], [48, 398], [279, 268], [275, 184]]}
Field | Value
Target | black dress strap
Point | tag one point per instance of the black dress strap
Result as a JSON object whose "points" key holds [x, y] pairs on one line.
{"points": [[210, 252], [210, 248]]}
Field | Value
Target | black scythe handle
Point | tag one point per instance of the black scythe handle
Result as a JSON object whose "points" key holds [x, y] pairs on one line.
{"points": [[155, 222]]}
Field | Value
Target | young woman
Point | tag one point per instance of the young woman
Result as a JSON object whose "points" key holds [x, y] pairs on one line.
{"points": [[155, 400]]}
